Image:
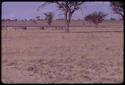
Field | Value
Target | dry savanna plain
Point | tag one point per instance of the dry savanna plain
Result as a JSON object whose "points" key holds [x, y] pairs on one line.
{"points": [[85, 55]]}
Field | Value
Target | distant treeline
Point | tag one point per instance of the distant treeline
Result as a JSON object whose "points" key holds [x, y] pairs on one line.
{"points": [[112, 19]]}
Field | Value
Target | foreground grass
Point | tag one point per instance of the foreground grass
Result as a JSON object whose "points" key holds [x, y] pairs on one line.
{"points": [[46, 56]]}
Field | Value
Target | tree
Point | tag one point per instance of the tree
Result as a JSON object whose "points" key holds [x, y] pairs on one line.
{"points": [[33, 21], [38, 17], [112, 19], [25, 19], [68, 8], [95, 17], [49, 17], [117, 7], [15, 19]]}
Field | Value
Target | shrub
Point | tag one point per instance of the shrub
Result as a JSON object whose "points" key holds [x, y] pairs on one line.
{"points": [[95, 17]]}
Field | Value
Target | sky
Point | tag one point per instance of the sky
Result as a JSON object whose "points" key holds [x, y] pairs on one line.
{"points": [[28, 10]]}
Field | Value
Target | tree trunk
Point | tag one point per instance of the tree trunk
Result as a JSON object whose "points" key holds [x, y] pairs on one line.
{"points": [[66, 21], [67, 25]]}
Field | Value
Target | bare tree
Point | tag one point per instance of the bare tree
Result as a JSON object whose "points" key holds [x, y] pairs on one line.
{"points": [[49, 17], [68, 7], [95, 17], [117, 7]]}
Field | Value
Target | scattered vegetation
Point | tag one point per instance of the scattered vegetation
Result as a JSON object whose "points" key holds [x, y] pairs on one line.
{"points": [[68, 8], [117, 7], [38, 17], [96, 18], [49, 17], [112, 19]]}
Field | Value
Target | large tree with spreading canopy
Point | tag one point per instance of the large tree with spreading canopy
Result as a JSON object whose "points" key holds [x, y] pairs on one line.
{"points": [[67, 7]]}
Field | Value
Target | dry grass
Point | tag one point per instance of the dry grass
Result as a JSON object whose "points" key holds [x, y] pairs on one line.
{"points": [[87, 55]]}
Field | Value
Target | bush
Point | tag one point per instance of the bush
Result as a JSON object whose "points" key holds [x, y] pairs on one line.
{"points": [[96, 18]]}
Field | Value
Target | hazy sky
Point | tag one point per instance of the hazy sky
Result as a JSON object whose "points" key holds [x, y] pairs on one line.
{"points": [[27, 10]]}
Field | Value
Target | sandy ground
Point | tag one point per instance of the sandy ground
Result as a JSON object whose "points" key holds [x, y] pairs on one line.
{"points": [[53, 56]]}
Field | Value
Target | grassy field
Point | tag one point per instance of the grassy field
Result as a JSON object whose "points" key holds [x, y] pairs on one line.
{"points": [[85, 55]]}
